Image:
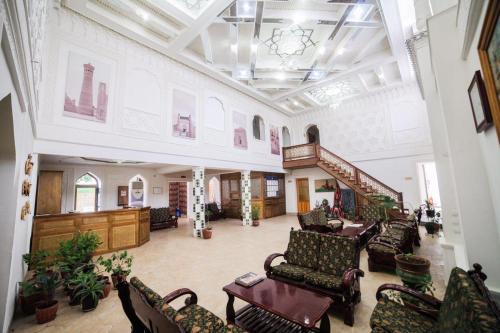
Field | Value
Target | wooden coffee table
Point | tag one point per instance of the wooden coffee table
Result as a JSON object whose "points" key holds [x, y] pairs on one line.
{"points": [[276, 306], [364, 232]]}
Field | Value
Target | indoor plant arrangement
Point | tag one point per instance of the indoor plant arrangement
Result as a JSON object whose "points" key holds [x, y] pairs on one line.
{"points": [[119, 265], [77, 252], [429, 208], [255, 216], [89, 289]]}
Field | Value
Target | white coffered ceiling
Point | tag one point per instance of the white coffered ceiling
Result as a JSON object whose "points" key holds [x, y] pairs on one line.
{"points": [[294, 55]]}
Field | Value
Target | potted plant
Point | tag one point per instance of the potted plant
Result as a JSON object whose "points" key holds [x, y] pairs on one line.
{"points": [[76, 252], [255, 216], [46, 311], [29, 294], [207, 232], [89, 290], [119, 265], [429, 208]]}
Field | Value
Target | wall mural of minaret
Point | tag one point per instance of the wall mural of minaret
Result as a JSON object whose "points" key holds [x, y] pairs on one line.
{"points": [[183, 114], [89, 80]]}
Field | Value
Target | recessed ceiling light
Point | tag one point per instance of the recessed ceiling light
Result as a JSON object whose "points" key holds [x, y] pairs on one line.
{"points": [[234, 48], [246, 6], [295, 103]]}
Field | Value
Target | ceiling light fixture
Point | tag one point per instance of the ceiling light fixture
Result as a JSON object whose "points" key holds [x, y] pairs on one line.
{"points": [[290, 41], [341, 51], [295, 103]]}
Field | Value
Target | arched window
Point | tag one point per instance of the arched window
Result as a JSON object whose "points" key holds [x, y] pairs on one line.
{"points": [[214, 113], [258, 128], [312, 134], [285, 134], [87, 193], [137, 191]]}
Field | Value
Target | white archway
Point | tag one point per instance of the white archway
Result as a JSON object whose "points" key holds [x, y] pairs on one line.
{"points": [[214, 194], [137, 189], [87, 193], [312, 134], [285, 134]]}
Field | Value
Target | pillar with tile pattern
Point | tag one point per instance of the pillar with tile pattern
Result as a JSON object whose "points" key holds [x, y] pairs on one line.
{"points": [[246, 198], [198, 200]]}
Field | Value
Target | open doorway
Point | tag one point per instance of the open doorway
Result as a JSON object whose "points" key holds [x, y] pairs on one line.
{"points": [[312, 134], [303, 201], [87, 193], [429, 187]]}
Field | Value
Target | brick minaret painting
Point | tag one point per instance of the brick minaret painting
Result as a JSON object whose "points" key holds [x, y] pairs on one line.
{"points": [[88, 107], [184, 114], [275, 141], [240, 138]]}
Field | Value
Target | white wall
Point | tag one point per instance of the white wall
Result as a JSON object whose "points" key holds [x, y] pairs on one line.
{"points": [[111, 177], [385, 133], [140, 111]]}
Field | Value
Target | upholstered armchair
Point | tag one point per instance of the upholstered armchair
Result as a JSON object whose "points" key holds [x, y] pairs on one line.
{"points": [[467, 307], [316, 220], [215, 212]]}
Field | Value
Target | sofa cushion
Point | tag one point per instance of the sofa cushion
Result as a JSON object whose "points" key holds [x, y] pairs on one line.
{"points": [[149, 295], [396, 318], [323, 280], [381, 248], [159, 215], [320, 216], [463, 308], [371, 213], [303, 249], [290, 271], [307, 218], [194, 318], [337, 254]]}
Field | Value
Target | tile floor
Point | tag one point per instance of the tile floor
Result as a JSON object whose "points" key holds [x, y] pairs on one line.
{"points": [[174, 259]]}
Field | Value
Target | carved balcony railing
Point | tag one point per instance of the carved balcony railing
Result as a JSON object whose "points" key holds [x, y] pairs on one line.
{"points": [[310, 155]]}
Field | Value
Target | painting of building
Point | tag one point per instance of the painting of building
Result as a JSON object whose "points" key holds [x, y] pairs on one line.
{"points": [[87, 82], [239, 130], [184, 114], [275, 140]]}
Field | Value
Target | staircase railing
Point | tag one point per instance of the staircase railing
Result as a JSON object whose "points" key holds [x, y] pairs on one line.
{"points": [[314, 151]]}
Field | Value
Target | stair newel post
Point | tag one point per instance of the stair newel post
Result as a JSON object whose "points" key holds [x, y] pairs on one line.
{"points": [[400, 199], [356, 176], [317, 151]]}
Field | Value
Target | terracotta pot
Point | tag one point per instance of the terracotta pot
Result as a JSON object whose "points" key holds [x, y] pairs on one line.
{"points": [[255, 223], [46, 311], [89, 304], [412, 264], [207, 233], [28, 303], [106, 290]]}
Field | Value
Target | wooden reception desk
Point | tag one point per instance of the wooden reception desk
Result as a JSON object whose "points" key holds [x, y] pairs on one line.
{"points": [[118, 229]]}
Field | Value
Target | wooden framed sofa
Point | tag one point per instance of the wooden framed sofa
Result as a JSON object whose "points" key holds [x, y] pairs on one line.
{"points": [[381, 249], [467, 307], [161, 218], [148, 312], [215, 212], [325, 263], [316, 220]]}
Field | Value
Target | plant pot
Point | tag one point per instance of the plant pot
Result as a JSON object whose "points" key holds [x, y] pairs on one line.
{"points": [[414, 265], [73, 298], [207, 233], [28, 303], [255, 223], [106, 290], [46, 311], [431, 227], [430, 213], [117, 279], [89, 303]]}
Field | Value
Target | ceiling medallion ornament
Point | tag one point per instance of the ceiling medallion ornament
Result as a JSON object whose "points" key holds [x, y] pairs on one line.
{"points": [[193, 4], [289, 41], [334, 92]]}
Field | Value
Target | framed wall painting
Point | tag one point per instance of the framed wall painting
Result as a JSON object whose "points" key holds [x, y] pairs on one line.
{"points": [[122, 195], [183, 114], [489, 55], [157, 190], [274, 134], [324, 185], [240, 130], [479, 103]]}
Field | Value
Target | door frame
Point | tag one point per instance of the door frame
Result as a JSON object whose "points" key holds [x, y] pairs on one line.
{"points": [[297, 192]]}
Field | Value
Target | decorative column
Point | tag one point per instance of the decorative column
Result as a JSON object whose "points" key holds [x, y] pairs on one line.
{"points": [[198, 200], [246, 198]]}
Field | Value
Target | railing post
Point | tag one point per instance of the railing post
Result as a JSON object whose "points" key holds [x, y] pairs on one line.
{"points": [[356, 176], [317, 152], [400, 199]]}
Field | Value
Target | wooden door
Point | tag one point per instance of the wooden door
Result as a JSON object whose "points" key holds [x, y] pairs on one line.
{"points": [[303, 195], [49, 194]]}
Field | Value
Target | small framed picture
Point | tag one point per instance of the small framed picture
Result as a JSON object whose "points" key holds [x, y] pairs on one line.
{"points": [[157, 190], [479, 103]]}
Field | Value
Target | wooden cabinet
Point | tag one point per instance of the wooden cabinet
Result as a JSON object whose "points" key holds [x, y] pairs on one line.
{"points": [[49, 193]]}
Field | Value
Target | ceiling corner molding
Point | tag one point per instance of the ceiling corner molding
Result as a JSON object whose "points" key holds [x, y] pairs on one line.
{"points": [[469, 10]]}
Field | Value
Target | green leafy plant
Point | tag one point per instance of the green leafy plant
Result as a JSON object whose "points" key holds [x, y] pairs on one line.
{"points": [[87, 285], [255, 213], [38, 261], [28, 288], [118, 264], [77, 252], [48, 282]]}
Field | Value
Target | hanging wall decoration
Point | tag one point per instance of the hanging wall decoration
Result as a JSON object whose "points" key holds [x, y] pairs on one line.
{"points": [[275, 140], [87, 86], [25, 210], [489, 55], [26, 188], [28, 165], [183, 114], [240, 130], [479, 103]]}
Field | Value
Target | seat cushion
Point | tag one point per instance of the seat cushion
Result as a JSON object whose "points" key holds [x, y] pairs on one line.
{"points": [[194, 319], [303, 249], [393, 317], [381, 248], [337, 254], [323, 280], [464, 309], [290, 271]]}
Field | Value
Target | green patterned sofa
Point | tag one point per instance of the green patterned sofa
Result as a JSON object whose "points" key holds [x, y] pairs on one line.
{"points": [[467, 308], [316, 220], [149, 312], [325, 263]]}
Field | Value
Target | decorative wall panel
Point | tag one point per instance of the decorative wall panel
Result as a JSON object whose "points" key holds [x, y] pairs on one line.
{"points": [[246, 198], [198, 200]]}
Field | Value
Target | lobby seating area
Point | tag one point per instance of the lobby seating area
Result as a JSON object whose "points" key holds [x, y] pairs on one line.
{"points": [[161, 218]]}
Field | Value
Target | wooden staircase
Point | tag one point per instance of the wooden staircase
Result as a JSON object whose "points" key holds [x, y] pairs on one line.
{"points": [[313, 155]]}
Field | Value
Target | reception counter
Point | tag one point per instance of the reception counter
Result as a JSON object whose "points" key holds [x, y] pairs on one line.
{"points": [[118, 229]]}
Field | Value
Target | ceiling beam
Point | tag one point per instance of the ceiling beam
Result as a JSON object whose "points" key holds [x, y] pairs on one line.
{"points": [[200, 24], [170, 10], [207, 46], [233, 51], [390, 15], [259, 10], [363, 82], [374, 40]]}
